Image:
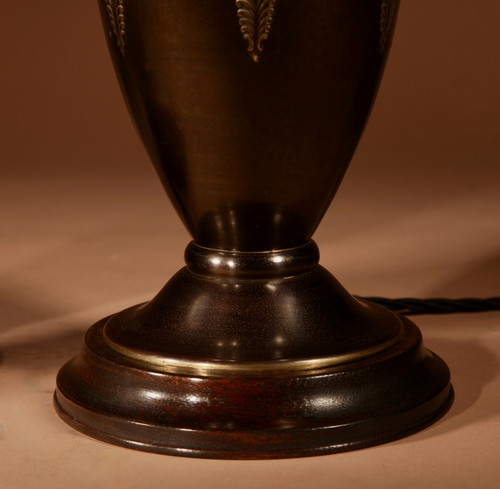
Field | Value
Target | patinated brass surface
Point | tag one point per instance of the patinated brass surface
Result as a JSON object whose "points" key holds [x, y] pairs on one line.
{"points": [[250, 111]]}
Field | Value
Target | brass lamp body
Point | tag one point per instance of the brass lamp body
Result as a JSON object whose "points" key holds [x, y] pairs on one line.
{"points": [[250, 111]]}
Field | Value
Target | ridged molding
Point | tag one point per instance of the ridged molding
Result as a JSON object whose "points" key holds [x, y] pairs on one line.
{"points": [[116, 16], [387, 19], [255, 19]]}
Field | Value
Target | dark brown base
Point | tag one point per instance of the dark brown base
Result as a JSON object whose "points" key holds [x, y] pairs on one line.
{"points": [[378, 399], [248, 445], [253, 365]]}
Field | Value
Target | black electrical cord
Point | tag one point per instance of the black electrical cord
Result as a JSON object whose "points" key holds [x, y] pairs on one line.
{"points": [[411, 306]]}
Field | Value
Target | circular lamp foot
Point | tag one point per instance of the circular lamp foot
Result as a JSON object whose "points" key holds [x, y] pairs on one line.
{"points": [[305, 370]]}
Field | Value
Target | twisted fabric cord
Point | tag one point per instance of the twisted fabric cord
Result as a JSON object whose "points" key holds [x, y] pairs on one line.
{"points": [[410, 306]]}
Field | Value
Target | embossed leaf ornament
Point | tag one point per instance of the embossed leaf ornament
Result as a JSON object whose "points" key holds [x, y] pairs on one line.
{"points": [[255, 19], [387, 18], [116, 16]]}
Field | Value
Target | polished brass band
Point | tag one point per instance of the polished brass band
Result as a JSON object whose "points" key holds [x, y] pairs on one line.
{"points": [[257, 264], [298, 367]]}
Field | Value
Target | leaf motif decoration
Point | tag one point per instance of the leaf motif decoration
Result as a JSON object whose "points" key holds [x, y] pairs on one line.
{"points": [[255, 20], [116, 16], [387, 18]]}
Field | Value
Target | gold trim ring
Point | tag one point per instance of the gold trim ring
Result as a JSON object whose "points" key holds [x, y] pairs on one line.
{"points": [[214, 368]]}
